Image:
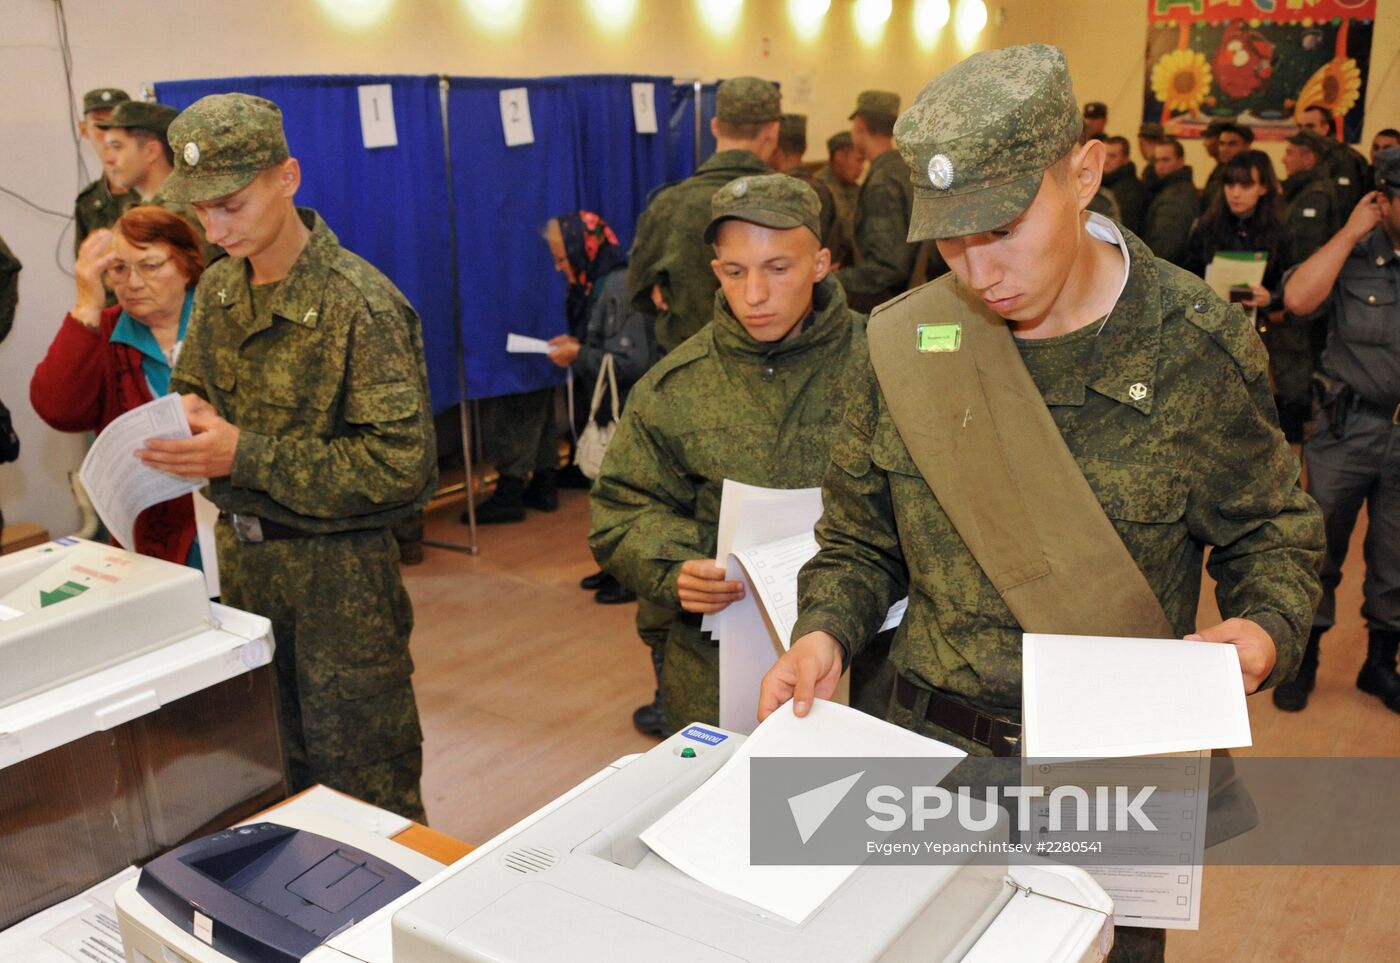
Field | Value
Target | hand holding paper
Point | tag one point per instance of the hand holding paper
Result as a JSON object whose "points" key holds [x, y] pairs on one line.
{"points": [[1254, 646], [208, 454], [703, 587], [812, 667], [122, 486]]}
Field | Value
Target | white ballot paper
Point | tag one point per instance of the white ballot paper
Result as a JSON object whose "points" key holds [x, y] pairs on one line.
{"points": [[118, 483], [79, 930], [206, 517], [751, 515], [1233, 269], [707, 835], [1164, 891], [1094, 698], [1135, 712], [524, 344], [758, 628]]}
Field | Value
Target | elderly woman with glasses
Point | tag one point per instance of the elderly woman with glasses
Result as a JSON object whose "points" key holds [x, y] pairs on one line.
{"points": [[106, 361]]}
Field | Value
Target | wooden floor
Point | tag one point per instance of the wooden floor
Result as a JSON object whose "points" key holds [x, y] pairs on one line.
{"points": [[526, 687]]}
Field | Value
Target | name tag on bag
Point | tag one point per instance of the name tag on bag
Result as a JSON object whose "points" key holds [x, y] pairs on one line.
{"points": [[939, 337]]}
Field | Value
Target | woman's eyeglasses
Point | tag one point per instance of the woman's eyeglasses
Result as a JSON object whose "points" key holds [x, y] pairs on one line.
{"points": [[119, 272]]}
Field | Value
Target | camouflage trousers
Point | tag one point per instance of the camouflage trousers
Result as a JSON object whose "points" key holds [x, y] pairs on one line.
{"points": [[653, 623], [520, 432], [341, 619], [690, 677]]}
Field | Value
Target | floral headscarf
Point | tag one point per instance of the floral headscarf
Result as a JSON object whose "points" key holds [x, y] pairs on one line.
{"points": [[593, 252]]}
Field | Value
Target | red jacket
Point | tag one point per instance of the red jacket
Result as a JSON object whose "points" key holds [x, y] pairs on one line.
{"points": [[83, 383]]}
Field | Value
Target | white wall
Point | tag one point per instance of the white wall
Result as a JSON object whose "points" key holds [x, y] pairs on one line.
{"points": [[126, 43]]}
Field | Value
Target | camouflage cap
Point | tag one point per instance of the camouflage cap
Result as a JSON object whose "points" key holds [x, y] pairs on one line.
{"points": [[880, 103], [841, 141], [1154, 130], [792, 132], [103, 98], [980, 136], [772, 200], [141, 115], [748, 100], [1312, 141], [221, 143], [1095, 110], [1388, 169]]}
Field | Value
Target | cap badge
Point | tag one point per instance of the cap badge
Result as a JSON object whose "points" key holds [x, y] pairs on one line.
{"points": [[106, 95], [1138, 391], [740, 188], [940, 171], [191, 153]]}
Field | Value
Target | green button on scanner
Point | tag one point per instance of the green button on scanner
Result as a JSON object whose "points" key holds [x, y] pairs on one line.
{"points": [[687, 753]]}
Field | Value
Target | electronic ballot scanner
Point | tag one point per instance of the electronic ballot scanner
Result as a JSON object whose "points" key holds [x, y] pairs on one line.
{"points": [[575, 882]]}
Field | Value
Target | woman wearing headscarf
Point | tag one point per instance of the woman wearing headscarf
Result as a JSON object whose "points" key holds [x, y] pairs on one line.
{"points": [[601, 322]]}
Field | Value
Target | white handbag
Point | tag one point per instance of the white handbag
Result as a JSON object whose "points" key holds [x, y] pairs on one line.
{"points": [[593, 443]]}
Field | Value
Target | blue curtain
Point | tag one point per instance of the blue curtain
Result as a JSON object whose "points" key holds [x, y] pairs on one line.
{"points": [[618, 166], [503, 196], [387, 203], [680, 129]]}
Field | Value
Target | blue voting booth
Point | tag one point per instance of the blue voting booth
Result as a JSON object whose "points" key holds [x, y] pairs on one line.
{"points": [[453, 215]]}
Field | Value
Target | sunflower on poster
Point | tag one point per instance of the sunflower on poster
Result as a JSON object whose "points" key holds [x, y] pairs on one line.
{"points": [[1181, 80], [1336, 86]]}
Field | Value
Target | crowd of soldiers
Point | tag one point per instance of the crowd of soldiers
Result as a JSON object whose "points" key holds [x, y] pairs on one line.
{"points": [[799, 342]]}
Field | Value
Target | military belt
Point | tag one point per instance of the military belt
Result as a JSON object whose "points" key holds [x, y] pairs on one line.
{"points": [[251, 528], [1389, 412], [998, 733]]}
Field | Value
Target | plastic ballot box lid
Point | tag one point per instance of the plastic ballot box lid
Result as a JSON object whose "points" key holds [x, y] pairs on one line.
{"points": [[71, 607], [228, 644]]}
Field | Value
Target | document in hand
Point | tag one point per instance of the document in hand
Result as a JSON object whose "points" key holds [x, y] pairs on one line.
{"points": [[524, 344], [1137, 712], [118, 483], [750, 515], [758, 628], [707, 835], [1236, 269], [1096, 698]]}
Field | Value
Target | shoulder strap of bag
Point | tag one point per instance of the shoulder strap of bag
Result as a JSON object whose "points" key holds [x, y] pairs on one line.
{"points": [[981, 435], [607, 377]]}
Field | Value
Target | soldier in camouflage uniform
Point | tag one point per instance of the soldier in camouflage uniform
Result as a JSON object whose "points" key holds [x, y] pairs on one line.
{"points": [[1343, 165], [101, 202], [752, 397], [1121, 180], [884, 256], [306, 390], [668, 269], [787, 159], [842, 175], [1155, 387], [1311, 217], [1174, 204], [138, 158]]}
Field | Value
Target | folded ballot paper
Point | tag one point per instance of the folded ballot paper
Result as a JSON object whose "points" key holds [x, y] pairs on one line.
{"points": [[765, 537], [1134, 712], [706, 836]]}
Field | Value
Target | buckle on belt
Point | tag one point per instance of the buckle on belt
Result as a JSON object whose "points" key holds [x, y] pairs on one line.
{"points": [[247, 528]]}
